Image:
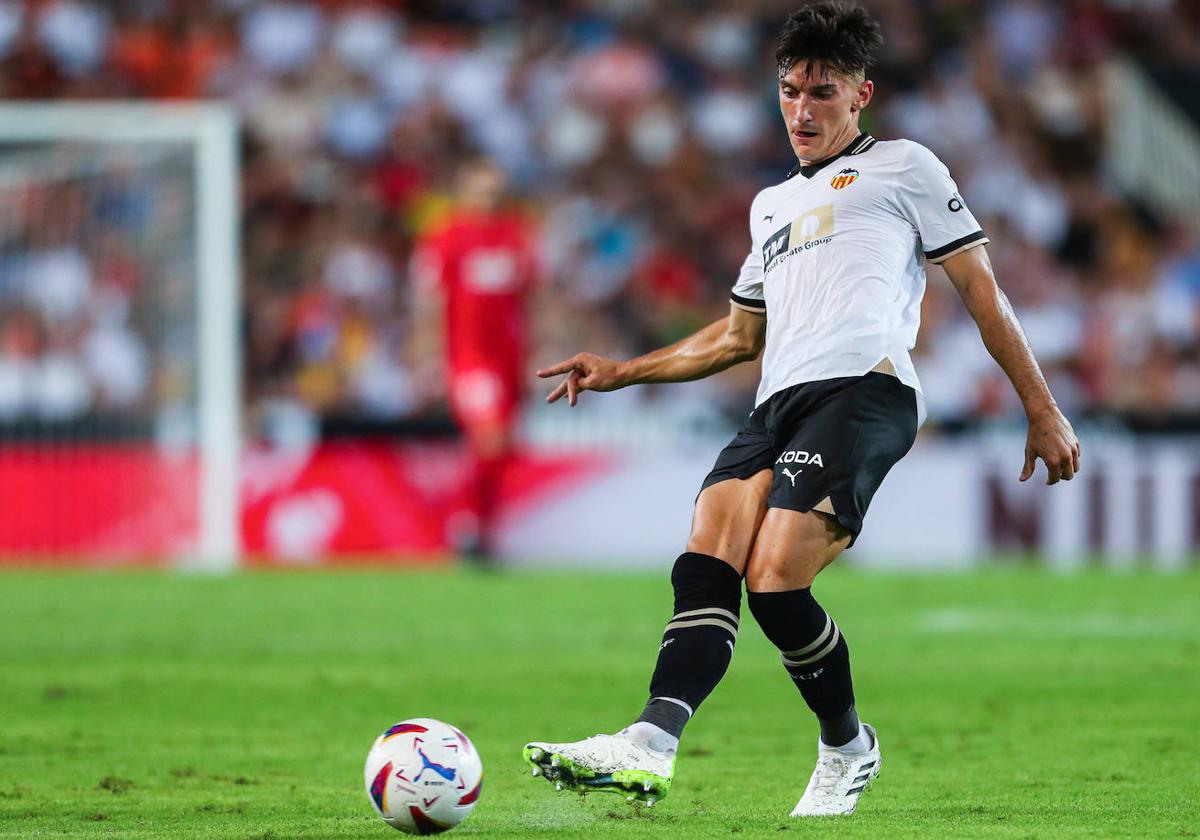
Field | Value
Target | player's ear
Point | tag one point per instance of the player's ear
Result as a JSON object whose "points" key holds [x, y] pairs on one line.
{"points": [[866, 88]]}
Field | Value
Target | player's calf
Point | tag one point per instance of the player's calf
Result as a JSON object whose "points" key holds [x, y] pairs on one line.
{"points": [[697, 643], [696, 648], [815, 656]]}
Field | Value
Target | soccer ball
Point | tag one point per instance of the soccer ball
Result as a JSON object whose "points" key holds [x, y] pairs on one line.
{"points": [[423, 776]]}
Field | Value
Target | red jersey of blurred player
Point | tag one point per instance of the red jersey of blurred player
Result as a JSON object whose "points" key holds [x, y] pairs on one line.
{"points": [[478, 267]]}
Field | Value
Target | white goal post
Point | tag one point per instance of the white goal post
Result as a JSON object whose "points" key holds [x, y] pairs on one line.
{"points": [[211, 131]]}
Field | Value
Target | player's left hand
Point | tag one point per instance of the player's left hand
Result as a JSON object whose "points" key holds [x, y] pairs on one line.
{"points": [[1052, 439]]}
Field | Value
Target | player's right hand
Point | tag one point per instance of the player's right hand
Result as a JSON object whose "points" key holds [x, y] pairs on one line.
{"points": [[585, 372], [1052, 439]]}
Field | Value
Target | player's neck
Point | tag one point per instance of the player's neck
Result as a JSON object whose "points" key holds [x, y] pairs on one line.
{"points": [[839, 147]]}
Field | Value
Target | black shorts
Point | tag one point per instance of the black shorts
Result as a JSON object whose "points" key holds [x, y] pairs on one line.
{"points": [[830, 443]]}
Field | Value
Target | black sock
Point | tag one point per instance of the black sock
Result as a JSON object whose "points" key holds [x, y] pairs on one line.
{"points": [[815, 654], [698, 642]]}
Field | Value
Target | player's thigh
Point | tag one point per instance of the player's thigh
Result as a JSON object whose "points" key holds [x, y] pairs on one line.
{"points": [[846, 435], [490, 437], [791, 547], [484, 405], [727, 518], [733, 498]]}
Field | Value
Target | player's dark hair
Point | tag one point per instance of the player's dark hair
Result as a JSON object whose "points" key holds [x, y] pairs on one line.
{"points": [[841, 36]]}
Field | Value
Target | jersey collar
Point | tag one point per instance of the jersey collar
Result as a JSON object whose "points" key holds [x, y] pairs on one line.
{"points": [[856, 146]]}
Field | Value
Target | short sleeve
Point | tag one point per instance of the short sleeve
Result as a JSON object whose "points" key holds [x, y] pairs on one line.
{"points": [[929, 199], [748, 290]]}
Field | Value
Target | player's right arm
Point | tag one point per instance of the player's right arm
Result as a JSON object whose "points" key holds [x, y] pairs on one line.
{"points": [[738, 337]]}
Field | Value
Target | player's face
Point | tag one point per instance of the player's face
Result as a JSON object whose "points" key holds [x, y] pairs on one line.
{"points": [[482, 187], [820, 109]]}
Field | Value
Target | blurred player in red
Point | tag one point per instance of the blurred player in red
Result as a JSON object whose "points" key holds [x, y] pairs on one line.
{"points": [[474, 272]]}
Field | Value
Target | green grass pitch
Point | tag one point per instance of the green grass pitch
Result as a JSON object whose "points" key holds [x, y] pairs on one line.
{"points": [[1009, 703]]}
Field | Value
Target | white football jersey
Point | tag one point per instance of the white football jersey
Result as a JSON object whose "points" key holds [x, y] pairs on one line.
{"points": [[838, 260]]}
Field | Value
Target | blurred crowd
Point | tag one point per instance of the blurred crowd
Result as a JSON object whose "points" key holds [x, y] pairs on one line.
{"points": [[97, 284], [636, 134]]}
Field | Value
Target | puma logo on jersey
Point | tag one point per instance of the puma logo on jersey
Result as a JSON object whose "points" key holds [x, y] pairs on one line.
{"points": [[799, 456], [768, 218], [791, 475]]}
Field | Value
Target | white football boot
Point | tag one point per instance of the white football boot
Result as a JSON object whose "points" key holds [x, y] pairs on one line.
{"points": [[612, 763], [839, 779]]}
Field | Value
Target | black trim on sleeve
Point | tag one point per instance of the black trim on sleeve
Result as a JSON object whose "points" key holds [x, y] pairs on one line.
{"points": [[957, 245], [749, 303]]}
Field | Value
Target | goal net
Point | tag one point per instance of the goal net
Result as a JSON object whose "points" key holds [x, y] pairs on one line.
{"points": [[119, 348]]}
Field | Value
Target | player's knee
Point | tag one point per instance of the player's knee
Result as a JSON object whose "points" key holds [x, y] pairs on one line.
{"points": [[720, 534], [773, 570], [791, 548], [727, 517], [723, 543]]}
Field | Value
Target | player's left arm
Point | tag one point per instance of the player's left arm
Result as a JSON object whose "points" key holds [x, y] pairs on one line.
{"points": [[428, 303], [1050, 437]]}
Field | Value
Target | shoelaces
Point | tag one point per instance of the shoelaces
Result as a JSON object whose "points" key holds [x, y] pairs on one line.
{"points": [[831, 769]]}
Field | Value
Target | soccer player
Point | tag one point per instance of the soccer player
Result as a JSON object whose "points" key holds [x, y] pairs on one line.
{"points": [[831, 289], [473, 274]]}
